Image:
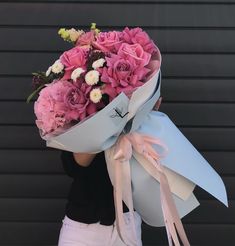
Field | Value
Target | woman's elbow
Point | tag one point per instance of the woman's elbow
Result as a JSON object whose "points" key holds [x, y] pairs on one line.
{"points": [[83, 159]]}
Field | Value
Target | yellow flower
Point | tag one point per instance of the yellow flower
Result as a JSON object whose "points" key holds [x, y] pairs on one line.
{"points": [[63, 33], [74, 34], [93, 28]]}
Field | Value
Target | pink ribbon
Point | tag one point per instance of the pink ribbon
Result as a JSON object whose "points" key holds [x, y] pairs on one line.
{"points": [[142, 144]]}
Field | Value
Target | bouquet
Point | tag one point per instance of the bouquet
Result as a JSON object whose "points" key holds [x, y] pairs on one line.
{"points": [[89, 76], [98, 96]]}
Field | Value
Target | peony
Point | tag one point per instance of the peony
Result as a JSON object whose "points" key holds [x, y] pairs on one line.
{"points": [[138, 36], [61, 102], [108, 41], [92, 77], [49, 108], [72, 59]]}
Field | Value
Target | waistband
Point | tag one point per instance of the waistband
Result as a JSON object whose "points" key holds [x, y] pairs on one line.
{"points": [[78, 224]]}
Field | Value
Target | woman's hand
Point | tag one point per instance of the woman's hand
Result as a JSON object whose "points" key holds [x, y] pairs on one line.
{"points": [[158, 104], [83, 159]]}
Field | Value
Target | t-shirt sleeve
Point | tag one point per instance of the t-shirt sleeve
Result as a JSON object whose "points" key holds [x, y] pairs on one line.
{"points": [[71, 167]]}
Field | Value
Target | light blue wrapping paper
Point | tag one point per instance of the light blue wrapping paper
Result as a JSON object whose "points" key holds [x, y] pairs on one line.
{"points": [[101, 131], [183, 158]]}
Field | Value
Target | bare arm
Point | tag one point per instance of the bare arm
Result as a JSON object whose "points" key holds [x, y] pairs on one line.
{"points": [[83, 159], [158, 104]]}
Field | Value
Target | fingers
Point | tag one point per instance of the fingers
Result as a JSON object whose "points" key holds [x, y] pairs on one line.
{"points": [[158, 104]]}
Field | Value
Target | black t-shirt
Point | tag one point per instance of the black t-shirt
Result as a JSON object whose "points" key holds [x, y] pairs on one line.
{"points": [[90, 197]]}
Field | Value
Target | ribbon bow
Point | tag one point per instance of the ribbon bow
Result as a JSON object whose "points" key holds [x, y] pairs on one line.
{"points": [[142, 144]]}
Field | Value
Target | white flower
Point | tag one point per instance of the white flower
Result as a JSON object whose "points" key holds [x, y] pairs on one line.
{"points": [[98, 63], [76, 73], [57, 67], [95, 95], [92, 77], [74, 34], [48, 71]]}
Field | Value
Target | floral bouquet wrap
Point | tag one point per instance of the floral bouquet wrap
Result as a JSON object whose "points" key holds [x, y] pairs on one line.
{"points": [[98, 96]]}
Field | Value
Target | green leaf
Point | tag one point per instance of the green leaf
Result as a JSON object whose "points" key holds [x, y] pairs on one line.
{"points": [[34, 93]]}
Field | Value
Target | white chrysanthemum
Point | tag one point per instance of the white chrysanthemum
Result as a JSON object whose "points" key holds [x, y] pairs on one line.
{"points": [[98, 63], [76, 73], [57, 67], [74, 34], [92, 77], [95, 95], [48, 71]]}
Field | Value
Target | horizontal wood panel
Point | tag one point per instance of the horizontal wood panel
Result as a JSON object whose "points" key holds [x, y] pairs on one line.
{"points": [[15, 88], [48, 161], [198, 90], [198, 65], [134, 1], [176, 65], [44, 210], [200, 114], [183, 114], [213, 138], [34, 186], [29, 233], [179, 89], [31, 161], [197, 234], [168, 40], [156, 14], [47, 233], [56, 186], [205, 213], [222, 162], [16, 137], [52, 210]]}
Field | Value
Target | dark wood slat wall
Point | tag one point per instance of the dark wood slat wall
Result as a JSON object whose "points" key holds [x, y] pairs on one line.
{"points": [[196, 38]]}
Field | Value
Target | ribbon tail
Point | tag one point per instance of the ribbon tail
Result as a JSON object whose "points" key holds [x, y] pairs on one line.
{"points": [[170, 213], [117, 193], [129, 200]]}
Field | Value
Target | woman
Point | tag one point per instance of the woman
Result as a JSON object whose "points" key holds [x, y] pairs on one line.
{"points": [[90, 212]]}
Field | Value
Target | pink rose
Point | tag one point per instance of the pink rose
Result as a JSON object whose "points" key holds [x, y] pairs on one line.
{"points": [[121, 75], [86, 39], [137, 35], [72, 59], [78, 102], [135, 53], [108, 41]]}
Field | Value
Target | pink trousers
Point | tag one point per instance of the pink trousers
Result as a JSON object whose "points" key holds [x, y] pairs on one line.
{"points": [[75, 233]]}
